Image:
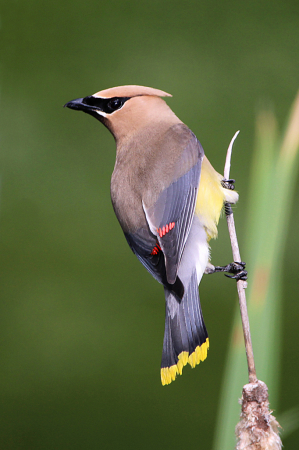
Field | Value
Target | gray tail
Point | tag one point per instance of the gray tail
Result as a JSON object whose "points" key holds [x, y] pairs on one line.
{"points": [[185, 336]]}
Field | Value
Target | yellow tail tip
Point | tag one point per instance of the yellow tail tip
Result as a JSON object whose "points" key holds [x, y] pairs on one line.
{"points": [[183, 357], [168, 374]]}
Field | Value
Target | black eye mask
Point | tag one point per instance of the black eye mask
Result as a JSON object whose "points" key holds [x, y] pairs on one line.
{"points": [[106, 105]]}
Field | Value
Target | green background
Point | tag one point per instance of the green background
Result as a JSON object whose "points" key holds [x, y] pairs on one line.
{"points": [[81, 321]]}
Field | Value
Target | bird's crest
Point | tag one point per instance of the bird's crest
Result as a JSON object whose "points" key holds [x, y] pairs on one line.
{"points": [[130, 91]]}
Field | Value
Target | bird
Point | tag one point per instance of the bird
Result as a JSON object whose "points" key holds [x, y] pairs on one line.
{"points": [[168, 200]]}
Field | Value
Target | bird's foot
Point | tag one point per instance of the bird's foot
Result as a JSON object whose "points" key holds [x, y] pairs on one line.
{"points": [[237, 269], [228, 184]]}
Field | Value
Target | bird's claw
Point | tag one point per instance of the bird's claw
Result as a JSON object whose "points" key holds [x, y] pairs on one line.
{"points": [[237, 269], [228, 184], [238, 276]]}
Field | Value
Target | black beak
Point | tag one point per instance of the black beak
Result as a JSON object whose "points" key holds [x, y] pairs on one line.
{"points": [[78, 104], [88, 105]]}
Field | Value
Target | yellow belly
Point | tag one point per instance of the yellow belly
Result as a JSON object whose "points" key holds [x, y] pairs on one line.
{"points": [[210, 198]]}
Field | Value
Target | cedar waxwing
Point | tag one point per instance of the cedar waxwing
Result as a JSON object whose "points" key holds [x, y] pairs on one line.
{"points": [[168, 199]]}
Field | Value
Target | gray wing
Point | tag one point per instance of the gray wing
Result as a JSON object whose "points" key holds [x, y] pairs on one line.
{"points": [[171, 216]]}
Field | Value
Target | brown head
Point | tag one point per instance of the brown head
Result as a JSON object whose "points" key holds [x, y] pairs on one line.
{"points": [[125, 110]]}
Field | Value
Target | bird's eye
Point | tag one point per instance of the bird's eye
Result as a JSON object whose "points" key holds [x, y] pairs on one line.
{"points": [[114, 104]]}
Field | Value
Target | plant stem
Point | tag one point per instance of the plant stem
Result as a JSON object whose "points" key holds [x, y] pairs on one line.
{"points": [[241, 285]]}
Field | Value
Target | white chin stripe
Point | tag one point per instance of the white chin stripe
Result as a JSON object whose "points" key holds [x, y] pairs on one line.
{"points": [[100, 113]]}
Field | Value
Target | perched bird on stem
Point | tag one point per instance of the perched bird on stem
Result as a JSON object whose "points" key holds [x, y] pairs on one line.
{"points": [[168, 199]]}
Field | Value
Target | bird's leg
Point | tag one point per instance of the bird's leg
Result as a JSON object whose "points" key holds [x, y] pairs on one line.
{"points": [[237, 269]]}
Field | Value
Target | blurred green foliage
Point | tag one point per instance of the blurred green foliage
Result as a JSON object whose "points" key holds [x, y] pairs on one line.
{"points": [[81, 320]]}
